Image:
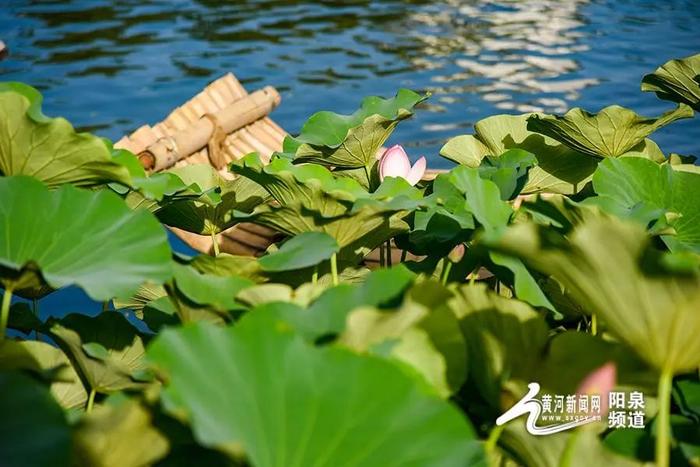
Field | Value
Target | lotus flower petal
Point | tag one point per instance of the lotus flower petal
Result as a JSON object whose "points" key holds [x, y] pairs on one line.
{"points": [[394, 163], [416, 173], [600, 381]]}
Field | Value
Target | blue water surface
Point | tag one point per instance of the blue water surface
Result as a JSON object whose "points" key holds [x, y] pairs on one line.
{"points": [[110, 66]]}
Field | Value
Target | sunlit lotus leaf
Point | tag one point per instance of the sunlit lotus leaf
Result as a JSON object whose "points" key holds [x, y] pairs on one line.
{"points": [[352, 140], [611, 132], [677, 81], [48, 148], [308, 198], [502, 335], [34, 431], [118, 434], [301, 251], [508, 171], [208, 289], [639, 188], [145, 294], [229, 265], [611, 268], [328, 406], [423, 333], [107, 350], [50, 364], [558, 170], [578, 448], [212, 211], [483, 200], [71, 236]]}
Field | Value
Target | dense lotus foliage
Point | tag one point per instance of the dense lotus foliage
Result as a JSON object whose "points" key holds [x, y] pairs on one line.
{"points": [[559, 249]]}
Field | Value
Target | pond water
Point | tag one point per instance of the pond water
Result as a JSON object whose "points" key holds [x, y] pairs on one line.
{"points": [[109, 66]]}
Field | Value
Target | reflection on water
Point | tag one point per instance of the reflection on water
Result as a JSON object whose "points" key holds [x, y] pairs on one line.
{"points": [[111, 65]]}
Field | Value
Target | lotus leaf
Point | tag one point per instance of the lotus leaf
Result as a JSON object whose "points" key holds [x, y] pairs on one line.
{"points": [[642, 189], [676, 80], [47, 362], [558, 170], [612, 132], [74, 236], [48, 148], [34, 431], [610, 267], [310, 199], [118, 434], [115, 357], [352, 140], [212, 211], [328, 406], [304, 250]]}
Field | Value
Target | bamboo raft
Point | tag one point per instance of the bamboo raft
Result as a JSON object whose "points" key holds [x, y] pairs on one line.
{"points": [[219, 125]]}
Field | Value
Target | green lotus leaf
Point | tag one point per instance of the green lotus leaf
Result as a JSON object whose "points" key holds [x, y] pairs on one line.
{"points": [[639, 188], [612, 132], [303, 250], [425, 336], [687, 396], [110, 330], [677, 81], [118, 434], [508, 171], [558, 170], [308, 198], [73, 236], [353, 140], [483, 200], [212, 211], [34, 431], [502, 335], [578, 448], [229, 265], [144, 295], [49, 363], [48, 148], [610, 267], [328, 406], [219, 292]]}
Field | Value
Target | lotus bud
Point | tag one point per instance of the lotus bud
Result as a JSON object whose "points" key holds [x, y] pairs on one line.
{"points": [[457, 253], [600, 381], [395, 163]]}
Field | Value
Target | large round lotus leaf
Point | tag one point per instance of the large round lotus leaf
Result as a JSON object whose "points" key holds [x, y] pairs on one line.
{"points": [[48, 148], [34, 431], [77, 237], [284, 402]]}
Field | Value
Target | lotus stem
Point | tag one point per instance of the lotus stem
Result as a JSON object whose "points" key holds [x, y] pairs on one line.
{"points": [[492, 440], [382, 261], [594, 324], [314, 276], [215, 244], [90, 401], [388, 253], [334, 268], [663, 427], [446, 271], [5, 312], [403, 255]]}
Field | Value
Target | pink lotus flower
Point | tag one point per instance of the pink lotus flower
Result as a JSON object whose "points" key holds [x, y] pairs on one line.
{"points": [[600, 381], [395, 163]]}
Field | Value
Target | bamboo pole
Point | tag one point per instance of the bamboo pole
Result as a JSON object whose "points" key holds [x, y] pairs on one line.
{"points": [[165, 152]]}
